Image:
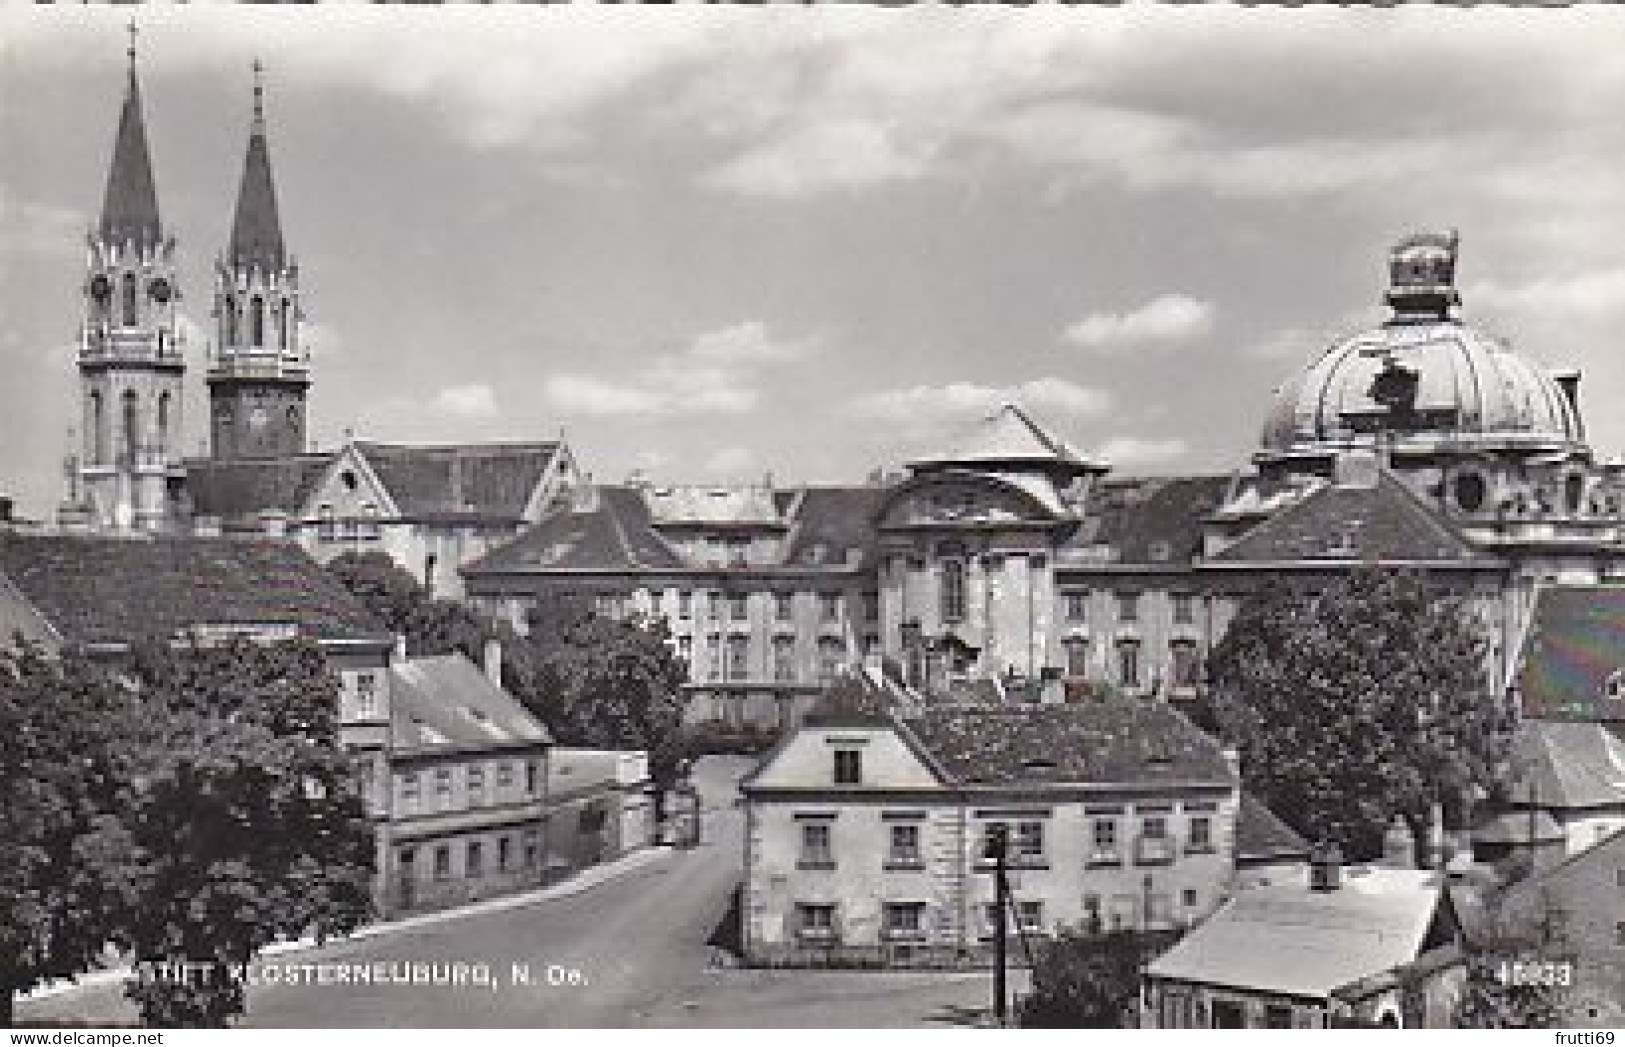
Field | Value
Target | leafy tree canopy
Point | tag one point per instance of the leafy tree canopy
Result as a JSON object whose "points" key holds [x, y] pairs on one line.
{"points": [[1357, 700], [1089, 979]]}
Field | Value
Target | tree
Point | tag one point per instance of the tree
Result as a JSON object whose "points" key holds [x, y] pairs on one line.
{"points": [[603, 681], [1519, 973], [1089, 979], [243, 821], [1358, 700], [59, 831], [405, 607]]}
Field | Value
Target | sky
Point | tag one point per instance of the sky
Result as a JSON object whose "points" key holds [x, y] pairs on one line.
{"points": [[713, 244]]}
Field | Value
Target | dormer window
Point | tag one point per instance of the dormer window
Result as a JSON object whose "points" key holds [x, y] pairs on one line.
{"points": [[1613, 688], [953, 591], [848, 766]]}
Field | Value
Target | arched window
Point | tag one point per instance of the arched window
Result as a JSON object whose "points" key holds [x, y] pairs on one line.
{"points": [[129, 299], [282, 324], [256, 321], [231, 319], [953, 590], [96, 427], [132, 426], [163, 423]]}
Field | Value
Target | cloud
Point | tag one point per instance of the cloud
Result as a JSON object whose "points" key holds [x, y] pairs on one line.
{"points": [[731, 462], [931, 405], [1122, 451], [474, 400], [1167, 318], [715, 374], [1593, 294], [32, 227]]}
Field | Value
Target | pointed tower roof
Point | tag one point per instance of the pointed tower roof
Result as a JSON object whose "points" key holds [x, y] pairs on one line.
{"points": [[256, 231], [130, 206]]}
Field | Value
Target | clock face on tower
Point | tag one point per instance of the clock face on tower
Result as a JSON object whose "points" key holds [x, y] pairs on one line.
{"points": [[258, 418], [101, 288]]}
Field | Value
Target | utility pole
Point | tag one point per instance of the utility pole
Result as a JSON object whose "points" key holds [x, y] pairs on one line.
{"points": [[998, 846]]}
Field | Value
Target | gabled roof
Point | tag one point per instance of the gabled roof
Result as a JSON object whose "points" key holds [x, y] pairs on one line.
{"points": [[1568, 764], [1382, 522], [1261, 836], [1574, 646], [609, 530], [482, 479], [1009, 436], [235, 489], [256, 230], [1151, 520], [446, 704], [103, 590], [829, 521], [1105, 741], [1289, 940], [130, 204]]}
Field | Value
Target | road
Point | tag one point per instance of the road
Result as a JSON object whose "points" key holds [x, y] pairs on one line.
{"points": [[630, 951]]}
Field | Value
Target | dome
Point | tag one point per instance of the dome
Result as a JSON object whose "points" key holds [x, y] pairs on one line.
{"points": [[1423, 381]]}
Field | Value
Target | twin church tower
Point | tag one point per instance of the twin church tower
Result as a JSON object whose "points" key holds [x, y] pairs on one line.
{"points": [[128, 472]]}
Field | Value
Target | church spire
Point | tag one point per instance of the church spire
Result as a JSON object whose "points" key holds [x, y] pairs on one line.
{"points": [[256, 232], [130, 206]]}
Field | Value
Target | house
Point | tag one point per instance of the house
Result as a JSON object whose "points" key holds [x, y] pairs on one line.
{"points": [[1267, 849], [866, 826], [466, 813], [1320, 949], [1574, 912], [1570, 788]]}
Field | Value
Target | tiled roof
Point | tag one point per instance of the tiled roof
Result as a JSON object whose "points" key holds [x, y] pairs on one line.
{"points": [[130, 205], [1575, 645], [241, 489], [445, 703], [1152, 520], [115, 590], [1262, 836], [1009, 435], [1569, 764], [713, 505], [835, 520], [488, 479], [1286, 939], [610, 531], [1094, 742], [1383, 522]]}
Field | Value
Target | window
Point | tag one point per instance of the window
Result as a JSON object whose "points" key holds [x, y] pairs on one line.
{"points": [[1154, 827], [132, 426], [1159, 910], [256, 321], [366, 694], [829, 607], [98, 429], [371, 529], [816, 849], [230, 311], [1277, 1017], [1030, 916], [476, 785], [532, 778], [442, 862], [442, 785], [409, 789], [1154, 847], [1184, 609], [715, 601], [831, 656], [782, 603], [738, 552], [685, 605], [903, 920], [1201, 833], [871, 606], [129, 299], [326, 525], [504, 853], [476, 860], [848, 767], [738, 657], [815, 922], [1187, 667], [905, 847], [738, 610], [1075, 605], [1187, 898], [1619, 933], [1091, 911], [163, 422], [1029, 844], [533, 848], [282, 323], [713, 657], [1128, 607], [1077, 656], [953, 591], [1128, 663], [1103, 832], [784, 658], [504, 775], [657, 601], [685, 650]]}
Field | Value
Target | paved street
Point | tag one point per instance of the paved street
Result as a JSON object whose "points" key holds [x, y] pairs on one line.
{"points": [[630, 951]]}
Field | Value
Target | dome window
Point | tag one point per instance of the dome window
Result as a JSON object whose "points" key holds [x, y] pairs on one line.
{"points": [[1613, 688], [1573, 492], [1470, 492]]}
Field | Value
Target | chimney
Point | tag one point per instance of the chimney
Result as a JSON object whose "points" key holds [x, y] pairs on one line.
{"points": [[1325, 867], [1232, 760], [1399, 845], [493, 661], [1435, 856], [400, 648]]}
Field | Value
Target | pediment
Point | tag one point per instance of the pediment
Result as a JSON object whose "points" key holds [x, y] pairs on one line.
{"points": [[963, 499]]}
